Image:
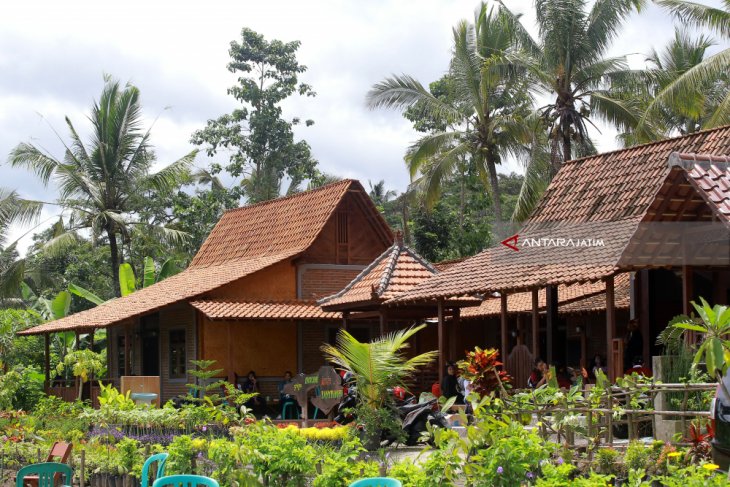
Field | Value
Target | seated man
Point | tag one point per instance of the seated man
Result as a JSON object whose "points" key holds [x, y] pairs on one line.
{"points": [[286, 398]]}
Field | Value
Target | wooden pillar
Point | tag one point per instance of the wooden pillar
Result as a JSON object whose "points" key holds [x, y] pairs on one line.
{"points": [[77, 345], [551, 300], [91, 339], [47, 360], [442, 339], [535, 323], [383, 323], [127, 357], [503, 323], [610, 327], [687, 290], [345, 316], [229, 356], [641, 283], [520, 339], [453, 324]]}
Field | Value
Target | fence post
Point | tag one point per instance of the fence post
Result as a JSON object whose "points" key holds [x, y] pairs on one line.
{"points": [[609, 416], [82, 466]]}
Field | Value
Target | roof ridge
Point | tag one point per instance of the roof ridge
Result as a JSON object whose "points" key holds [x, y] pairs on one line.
{"points": [[646, 144], [291, 196], [255, 301], [389, 268]]}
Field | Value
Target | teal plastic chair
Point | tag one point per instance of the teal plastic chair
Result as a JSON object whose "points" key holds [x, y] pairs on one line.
{"points": [[49, 474], [185, 481], [161, 459], [285, 409], [377, 482]]}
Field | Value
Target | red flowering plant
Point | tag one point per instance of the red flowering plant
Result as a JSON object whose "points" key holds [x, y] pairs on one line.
{"points": [[482, 369], [701, 433]]}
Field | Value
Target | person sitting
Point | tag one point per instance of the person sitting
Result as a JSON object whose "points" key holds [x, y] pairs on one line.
{"points": [[564, 377], [284, 398], [257, 404], [598, 366], [450, 385], [639, 368], [539, 374]]}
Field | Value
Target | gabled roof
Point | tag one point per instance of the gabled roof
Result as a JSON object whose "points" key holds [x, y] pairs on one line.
{"points": [[573, 298], [281, 226], [222, 309], [244, 241], [602, 197], [395, 271]]}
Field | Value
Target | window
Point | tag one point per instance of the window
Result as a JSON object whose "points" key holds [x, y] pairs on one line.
{"points": [[177, 354]]}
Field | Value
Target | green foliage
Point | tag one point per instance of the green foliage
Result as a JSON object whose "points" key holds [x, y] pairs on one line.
{"points": [[409, 473], [110, 397], [637, 456], [130, 456], [714, 324], [606, 459], [21, 388], [480, 367], [181, 452], [15, 350], [260, 139], [83, 363]]}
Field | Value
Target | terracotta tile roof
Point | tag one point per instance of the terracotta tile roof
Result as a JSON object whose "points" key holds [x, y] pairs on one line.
{"points": [[569, 297], [283, 225], [445, 264], [190, 283], [395, 271], [263, 310], [244, 241], [597, 302], [710, 175], [604, 196]]}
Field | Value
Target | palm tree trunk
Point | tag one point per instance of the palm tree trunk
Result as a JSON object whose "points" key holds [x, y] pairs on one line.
{"points": [[496, 193], [114, 259], [566, 146]]}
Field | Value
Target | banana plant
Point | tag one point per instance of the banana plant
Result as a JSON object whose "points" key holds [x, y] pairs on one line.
{"points": [[128, 281]]}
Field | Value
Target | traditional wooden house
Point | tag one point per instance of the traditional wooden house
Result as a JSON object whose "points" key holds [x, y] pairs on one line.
{"points": [[659, 212], [247, 300]]}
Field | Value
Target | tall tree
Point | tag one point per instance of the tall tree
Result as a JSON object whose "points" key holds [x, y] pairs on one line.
{"points": [[710, 69], [261, 141], [568, 61], [97, 181], [688, 112], [477, 121]]}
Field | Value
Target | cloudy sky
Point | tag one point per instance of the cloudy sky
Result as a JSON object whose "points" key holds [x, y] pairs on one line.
{"points": [[53, 56]]}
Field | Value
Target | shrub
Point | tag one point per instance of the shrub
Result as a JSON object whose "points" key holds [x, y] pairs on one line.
{"points": [[480, 368], [637, 456], [408, 473], [606, 459]]}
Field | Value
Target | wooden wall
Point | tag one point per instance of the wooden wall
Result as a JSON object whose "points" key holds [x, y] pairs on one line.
{"points": [[276, 282], [267, 347], [363, 241]]}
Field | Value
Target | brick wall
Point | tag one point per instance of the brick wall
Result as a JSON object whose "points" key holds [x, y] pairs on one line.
{"points": [[317, 281]]}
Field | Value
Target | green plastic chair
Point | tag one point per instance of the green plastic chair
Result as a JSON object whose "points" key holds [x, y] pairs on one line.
{"points": [[161, 459], [47, 474], [377, 482], [185, 481]]}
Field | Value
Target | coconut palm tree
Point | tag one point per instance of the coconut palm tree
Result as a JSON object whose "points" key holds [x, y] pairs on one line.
{"points": [[568, 62], [480, 113], [97, 182], [688, 112], [710, 69]]}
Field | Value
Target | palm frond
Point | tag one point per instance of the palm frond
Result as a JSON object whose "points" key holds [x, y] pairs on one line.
{"points": [[699, 15], [404, 91], [173, 175]]}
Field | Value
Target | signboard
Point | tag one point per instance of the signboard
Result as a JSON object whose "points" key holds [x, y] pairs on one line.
{"points": [[327, 387]]}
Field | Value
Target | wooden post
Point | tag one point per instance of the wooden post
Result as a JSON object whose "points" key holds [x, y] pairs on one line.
{"points": [[642, 313], [551, 300], [127, 358], [687, 289], [535, 323], [442, 339], [77, 345], [47, 360], [520, 339], [453, 333], [383, 324], [610, 327], [82, 466], [503, 315], [345, 316], [229, 357]]}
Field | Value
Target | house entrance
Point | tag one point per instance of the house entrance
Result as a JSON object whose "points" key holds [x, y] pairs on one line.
{"points": [[150, 334]]}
